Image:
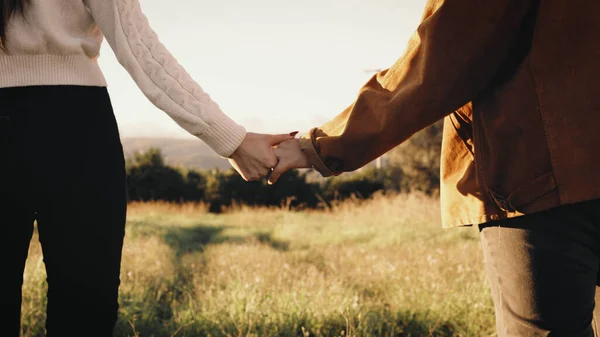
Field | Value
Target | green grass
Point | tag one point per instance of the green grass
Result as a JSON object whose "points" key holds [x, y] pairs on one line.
{"points": [[382, 268]]}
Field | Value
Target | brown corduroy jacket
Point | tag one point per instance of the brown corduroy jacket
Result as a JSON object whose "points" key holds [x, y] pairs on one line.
{"points": [[518, 83]]}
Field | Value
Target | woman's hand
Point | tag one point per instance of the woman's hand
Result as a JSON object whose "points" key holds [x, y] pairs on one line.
{"points": [[290, 156], [255, 157]]}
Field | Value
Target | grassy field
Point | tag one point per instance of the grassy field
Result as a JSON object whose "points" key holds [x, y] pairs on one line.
{"points": [[381, 268]]}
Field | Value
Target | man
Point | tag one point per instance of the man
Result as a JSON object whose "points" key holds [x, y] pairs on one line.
{"points": [[517, 82]]}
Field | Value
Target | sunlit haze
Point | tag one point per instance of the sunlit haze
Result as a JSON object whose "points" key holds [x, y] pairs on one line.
{"points": [[273, 66]]}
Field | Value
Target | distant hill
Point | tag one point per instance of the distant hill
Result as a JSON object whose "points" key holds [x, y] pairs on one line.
{"points": [[191, 153]]}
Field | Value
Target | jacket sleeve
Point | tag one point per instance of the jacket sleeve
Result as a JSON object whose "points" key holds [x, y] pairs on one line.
{"points": [[162, 80], [455, 52]]}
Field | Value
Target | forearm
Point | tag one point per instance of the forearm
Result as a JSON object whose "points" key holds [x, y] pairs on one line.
{"points": [[456, 51], [161, 78]]}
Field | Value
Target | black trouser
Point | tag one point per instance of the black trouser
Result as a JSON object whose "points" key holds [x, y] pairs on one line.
{"points": [[543, 271], [61, 163]]}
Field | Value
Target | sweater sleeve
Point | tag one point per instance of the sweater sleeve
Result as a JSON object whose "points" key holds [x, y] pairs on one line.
{"points": [[162, 80]]}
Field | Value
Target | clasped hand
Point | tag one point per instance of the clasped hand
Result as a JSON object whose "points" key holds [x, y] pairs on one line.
{"points": [[261, 154]]}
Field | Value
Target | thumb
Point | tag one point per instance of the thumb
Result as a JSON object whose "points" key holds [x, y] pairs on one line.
{"points": [[276, 139], [277, 172]]}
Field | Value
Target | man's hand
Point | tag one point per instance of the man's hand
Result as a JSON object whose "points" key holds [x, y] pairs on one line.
{"points": [[255, 157], [290, 157]]}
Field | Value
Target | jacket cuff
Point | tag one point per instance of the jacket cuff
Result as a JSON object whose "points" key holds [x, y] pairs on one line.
{"points": [[314, 158]]}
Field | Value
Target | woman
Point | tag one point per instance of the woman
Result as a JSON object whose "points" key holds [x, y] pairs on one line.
{"points": [[62, 160]]}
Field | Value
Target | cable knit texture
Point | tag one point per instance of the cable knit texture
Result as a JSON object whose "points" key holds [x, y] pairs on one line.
{"points": [[58, 43]]}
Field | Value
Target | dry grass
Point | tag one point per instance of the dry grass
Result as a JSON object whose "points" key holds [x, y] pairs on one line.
{"points": [[161, 207], [380, 268]]}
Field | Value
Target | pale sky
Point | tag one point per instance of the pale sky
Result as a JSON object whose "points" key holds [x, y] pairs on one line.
{"points": [[272, 65]]}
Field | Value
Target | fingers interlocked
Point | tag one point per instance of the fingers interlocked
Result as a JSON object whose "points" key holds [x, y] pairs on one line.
{"points": [[267, 156]]}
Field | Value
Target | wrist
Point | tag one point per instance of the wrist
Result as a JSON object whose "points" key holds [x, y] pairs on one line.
{"points": [[240, 149], [313, 157]]}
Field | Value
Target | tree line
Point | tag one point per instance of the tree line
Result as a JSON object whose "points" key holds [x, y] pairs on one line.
{"points": [[413, 165]]}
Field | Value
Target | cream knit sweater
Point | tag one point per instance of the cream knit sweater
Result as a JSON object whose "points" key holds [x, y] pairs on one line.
{"points": [[57, 42]]}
